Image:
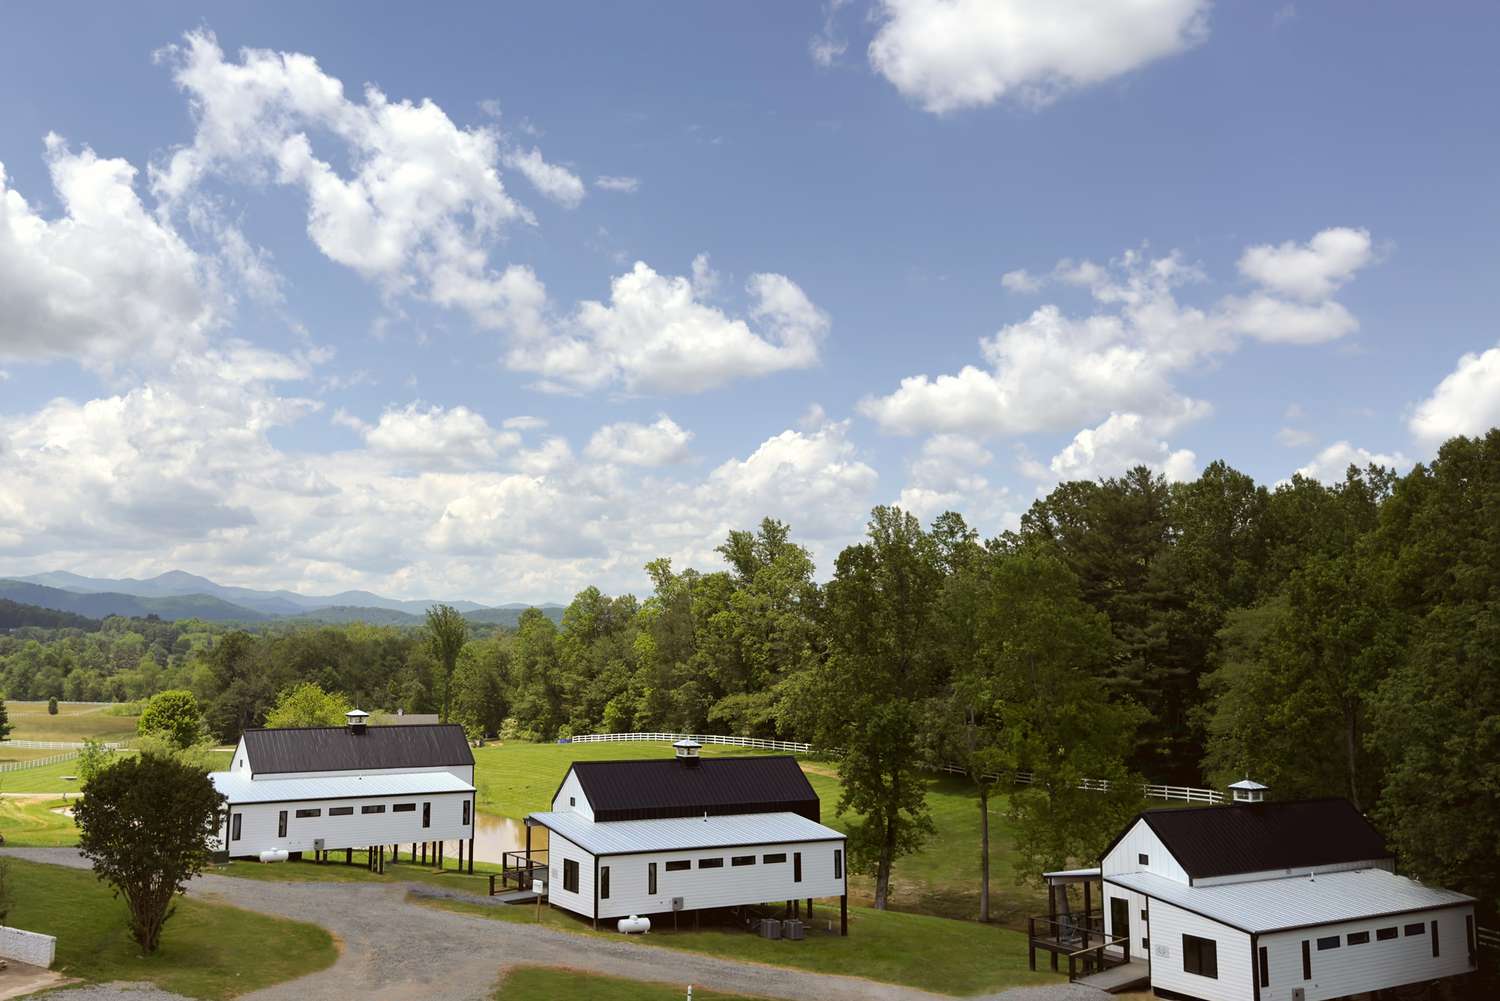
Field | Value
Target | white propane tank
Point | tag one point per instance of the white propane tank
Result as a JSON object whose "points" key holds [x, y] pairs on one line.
{"points": [[634, 925], [274, 855]]}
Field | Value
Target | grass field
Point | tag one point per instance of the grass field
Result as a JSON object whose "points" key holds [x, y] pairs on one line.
{"points": [[207, 950], [10, 753], [337, 872], [936, 954], [539, 983], [74, 721], [53, 778], [34, 823]]}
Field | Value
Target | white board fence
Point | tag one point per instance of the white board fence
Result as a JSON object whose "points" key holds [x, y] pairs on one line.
{"points": [[51, 759], [1150, 790]]}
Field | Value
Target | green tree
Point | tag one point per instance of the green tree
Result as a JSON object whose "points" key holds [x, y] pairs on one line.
{"points": [[5, 726], [52, 706], [93, 759], [868, 697], [144, 824], [307, 704], [447, 631], [173, 714]]}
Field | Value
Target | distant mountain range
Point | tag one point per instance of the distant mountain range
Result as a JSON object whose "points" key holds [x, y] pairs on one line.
{"points": [[179, 595]]}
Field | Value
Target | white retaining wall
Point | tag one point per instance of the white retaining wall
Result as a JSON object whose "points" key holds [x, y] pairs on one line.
{"points": [[27, 946]]}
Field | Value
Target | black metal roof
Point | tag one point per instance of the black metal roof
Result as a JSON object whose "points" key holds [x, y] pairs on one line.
{"points": [[337, 748], [1258, 837], [667, 787]]}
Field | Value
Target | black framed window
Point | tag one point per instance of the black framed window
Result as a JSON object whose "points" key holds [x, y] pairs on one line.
{"points": [[234, 827], [372, 808], [340, 811], [1200, 956], [1384, 934], [838, 863], [1357, 937], [1328, 942], [679, 865], [651, 877], [570, 875], [604, 882], [1417, 929], [426, 814], [1265, 967], [796, 867], [281, 824], [466, 813], [1306, 960], [404, 808], [773, 858], [1434, 940], [303, 814], [710, 863], [1143, 858], [739, 860], [572, 800]]}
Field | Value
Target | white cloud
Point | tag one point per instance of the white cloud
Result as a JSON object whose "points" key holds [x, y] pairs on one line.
{"points": [[657, 444], [103, 282], [828, 46], [1330, 465], [657, 335], [438, 436], [1295, 437], [557, 183], [1122, 442], [524, 422], [1311, 271], [1466, 402], [625, 185], [953, 54], [1021, 281]]}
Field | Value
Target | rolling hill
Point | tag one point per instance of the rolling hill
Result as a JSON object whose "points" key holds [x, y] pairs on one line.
{"points": [[98, 605], [14, 615]]}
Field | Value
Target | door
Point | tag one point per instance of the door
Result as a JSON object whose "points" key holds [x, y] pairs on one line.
{"points": [[1119, 920]]}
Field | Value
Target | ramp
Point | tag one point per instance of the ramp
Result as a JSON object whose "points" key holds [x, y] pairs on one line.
{"points": [[1118, 979]]}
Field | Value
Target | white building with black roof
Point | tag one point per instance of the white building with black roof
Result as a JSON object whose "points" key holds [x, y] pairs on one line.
{"points": [[323, 789], [688, 834]]}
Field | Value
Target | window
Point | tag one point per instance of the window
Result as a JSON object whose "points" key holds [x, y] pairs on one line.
{"points": [[742, 860], [1434, 941], [281, 824], [1417, 929], [1329, 942], [773, 858], [570, 875], [1146, 944], [426, 814], [710, 863], [1306, 960], [1265, 968], [234, 833], [372, 808], [604, 882], [572, 800], [679, 865], [340, 811], [1200, 956], [301, 814], [796, 867], [651, 877], [1384, 934], [1143, 858], [838, 863], [404, 808], [1358, 937], [1143, 913], [466, 813]]}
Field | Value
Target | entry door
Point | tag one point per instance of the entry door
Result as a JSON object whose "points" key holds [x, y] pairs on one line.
{"points": [[1119, 919]]}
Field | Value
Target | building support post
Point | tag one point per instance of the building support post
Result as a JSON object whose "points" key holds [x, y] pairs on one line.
{"points": [[471, 855], [1088, 909], [460, 855], [809, 908], [844, 914], [348, 856]]}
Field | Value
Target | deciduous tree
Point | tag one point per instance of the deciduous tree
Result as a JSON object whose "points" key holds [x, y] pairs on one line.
{"points": [[307, 705], [173, 714], [447, 631]]}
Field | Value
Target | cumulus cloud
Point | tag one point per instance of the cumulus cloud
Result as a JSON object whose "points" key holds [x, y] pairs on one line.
{"points": [[438, 436], [948, 474], [102, 281], [1295, 437], [1466, 402], [657, 444], [1330, 465], [1122, 442], [523, 422], [953, 54], [1020, 281], [625, 185], [555, 182], [1054, 372], [1310, 271]]}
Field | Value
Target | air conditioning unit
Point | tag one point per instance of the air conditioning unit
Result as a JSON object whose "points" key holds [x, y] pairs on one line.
{"points": [[677, 903], [793, 930], [1299, 994], [770, 928], [317, 844]]}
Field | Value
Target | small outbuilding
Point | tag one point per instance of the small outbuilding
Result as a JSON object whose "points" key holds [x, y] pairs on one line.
{"points": [[322, 789], [688, 834]]}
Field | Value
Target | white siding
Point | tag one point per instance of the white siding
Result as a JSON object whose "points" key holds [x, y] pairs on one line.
{"points": [[570, 797], [1168, 925], [465, 772], [1138, 929], [259, 823], [560, 849], [1250, 877], [241, 762], [1354, 969], [1141, 840]]}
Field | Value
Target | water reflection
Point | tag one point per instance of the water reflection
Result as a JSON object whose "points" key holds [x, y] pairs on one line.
{"points": [[493, 836]]}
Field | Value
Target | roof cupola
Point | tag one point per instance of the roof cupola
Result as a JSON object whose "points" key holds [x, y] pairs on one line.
{"points": [[687, 752], [1246, 790], [355, 720]]}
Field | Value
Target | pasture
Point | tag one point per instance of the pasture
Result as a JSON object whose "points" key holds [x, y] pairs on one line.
{"points": [[74, 721]]}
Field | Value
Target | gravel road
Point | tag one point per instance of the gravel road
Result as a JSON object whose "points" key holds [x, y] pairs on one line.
{"points": [[393, 949]]}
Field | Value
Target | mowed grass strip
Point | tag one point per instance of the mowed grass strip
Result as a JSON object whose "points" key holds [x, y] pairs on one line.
{"points": [[934, 954], [337, 871], [541, 983], [35, 823], [62, 776], [207, 950], [74, 721]]}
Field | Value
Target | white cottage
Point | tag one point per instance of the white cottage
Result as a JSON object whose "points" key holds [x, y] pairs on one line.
{"points": [[320, 789], [1275, 901], [687, 834]]}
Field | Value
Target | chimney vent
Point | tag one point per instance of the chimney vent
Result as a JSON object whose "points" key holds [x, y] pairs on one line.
{"points": [[355, 720], [687, 752], [1248, 791]]}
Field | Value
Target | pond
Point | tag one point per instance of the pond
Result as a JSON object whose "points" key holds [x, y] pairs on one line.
{"points": [[493, 836]]}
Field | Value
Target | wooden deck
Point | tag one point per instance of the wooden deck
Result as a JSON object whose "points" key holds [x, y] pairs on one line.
{"points": [[1118, 979]]}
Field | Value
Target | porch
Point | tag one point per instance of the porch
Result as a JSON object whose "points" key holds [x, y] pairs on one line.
{"points": [[1076, 935]]}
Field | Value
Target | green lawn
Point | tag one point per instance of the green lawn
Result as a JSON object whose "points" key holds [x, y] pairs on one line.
{"points": [[337, 872], [74, 721], [207, 950], [52, 778], [32, 823], [935, 954], [9, 752], [539, 983]]}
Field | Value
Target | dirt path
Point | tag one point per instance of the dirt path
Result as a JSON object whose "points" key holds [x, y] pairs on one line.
{"points": [[394, 949]]}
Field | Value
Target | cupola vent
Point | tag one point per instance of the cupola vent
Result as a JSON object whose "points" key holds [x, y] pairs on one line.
{"points": [[687, 752], [1247, 790], [355, 720]]}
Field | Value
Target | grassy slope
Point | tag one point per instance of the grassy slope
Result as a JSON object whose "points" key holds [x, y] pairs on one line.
{"points": [[537, 983], [50, 778], [207, 951], [31, 823], [936, 954], [74, 721]]}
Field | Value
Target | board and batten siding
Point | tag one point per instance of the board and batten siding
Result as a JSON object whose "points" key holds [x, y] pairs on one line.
{"points": [[1168, 925], [1142, 840], [1138, 929], [1373, 965], [560, 850], [570, 797], [260, 821]]}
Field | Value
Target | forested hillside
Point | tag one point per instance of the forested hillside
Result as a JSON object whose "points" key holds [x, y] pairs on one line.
{"points": [[1338, 640]]}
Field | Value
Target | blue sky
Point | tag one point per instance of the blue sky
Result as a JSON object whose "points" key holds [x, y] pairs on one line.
{"points": [[580, 285]]}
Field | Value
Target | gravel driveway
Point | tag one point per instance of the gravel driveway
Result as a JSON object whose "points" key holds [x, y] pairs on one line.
{"points": [[393, 949]]}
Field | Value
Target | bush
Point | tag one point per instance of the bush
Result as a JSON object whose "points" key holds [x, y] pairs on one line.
{"points": [[52, 706]]}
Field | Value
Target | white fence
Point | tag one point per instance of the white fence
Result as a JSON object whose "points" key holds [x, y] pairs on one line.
{"points": [[51, 759], [1151, 790], [61, 745]]}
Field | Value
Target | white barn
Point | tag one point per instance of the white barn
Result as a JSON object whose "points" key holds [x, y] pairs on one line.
{"points": [[319, 789], [1275, 901], [687, 834]]}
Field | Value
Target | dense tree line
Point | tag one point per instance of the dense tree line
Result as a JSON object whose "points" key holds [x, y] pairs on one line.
{"points": [[1328, 640]]}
